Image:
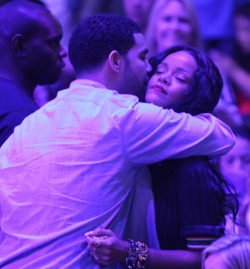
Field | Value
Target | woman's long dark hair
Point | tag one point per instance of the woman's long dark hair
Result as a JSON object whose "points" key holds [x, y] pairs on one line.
{"points": [[201, 97], [206, 84]]}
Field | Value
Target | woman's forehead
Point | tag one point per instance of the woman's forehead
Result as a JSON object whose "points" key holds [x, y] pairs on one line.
{"points": [[182, 59]]}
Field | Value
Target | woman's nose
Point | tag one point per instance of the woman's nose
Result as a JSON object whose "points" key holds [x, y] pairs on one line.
{"points": [[164, 78]]}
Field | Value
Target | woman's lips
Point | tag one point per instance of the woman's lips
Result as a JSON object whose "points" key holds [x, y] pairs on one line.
{"points": [[159, 89]]}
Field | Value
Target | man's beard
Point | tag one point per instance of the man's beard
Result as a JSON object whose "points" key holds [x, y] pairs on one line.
{"points": [[131, 83]]}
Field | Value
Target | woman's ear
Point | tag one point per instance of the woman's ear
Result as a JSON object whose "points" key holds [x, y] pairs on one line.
{"points": [[115, 61], [18, 45]]}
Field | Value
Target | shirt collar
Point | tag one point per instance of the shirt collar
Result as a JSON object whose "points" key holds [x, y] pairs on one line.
{"points": [[87, 82]]}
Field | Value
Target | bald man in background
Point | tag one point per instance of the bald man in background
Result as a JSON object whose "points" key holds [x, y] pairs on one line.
{"points": [[31, 55]]}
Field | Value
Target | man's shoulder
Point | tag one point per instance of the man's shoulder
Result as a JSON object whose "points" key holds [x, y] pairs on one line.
{"points": [[13, 99], [85, 91], [6, 89]]}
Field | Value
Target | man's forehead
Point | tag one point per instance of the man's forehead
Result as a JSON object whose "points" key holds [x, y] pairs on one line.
{"points": [[49, 24], [140, 43]]}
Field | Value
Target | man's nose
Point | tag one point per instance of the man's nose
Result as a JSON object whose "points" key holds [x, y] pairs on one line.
{"points": [[62, 52], [148, 67]]}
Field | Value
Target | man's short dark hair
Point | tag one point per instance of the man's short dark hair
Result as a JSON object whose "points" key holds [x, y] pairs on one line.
{"points": [[96, 36]]}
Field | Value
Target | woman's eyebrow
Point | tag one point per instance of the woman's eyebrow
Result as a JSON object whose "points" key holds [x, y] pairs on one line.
{"points": [[183, 70], [178, 68]]}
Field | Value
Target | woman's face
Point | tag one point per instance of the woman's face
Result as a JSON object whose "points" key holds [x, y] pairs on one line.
{"points": [[171, 80], [173, 26]]}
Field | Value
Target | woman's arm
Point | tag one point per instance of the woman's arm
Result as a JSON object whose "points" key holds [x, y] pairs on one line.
{"points": [[113, 249], [173, 259]]}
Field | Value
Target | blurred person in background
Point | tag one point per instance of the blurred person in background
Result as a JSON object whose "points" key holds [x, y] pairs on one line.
{"points": [[172, 22], [236, 167], [228, 252], [138, 11], [237, 68], [237, 161]]}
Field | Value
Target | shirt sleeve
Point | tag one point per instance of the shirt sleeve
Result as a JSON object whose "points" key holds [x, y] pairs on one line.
{"points": [[151, 134], [199, 204]]}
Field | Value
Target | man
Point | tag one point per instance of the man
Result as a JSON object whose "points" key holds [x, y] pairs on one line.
{"points": [[31, 54], [79, 162]]}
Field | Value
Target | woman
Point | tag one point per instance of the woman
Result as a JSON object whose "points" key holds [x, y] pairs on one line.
{"points": [[172, 22], [190, 196], [232, 251]]}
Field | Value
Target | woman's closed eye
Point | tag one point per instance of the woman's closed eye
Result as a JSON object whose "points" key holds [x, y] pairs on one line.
{"points": [[182, 80]]}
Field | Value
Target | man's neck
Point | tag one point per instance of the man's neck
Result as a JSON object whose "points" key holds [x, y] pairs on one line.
{"points": [[99, 78]]}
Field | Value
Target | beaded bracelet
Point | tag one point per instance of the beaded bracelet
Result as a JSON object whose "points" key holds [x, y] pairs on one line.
{"points": [[138, 253]]}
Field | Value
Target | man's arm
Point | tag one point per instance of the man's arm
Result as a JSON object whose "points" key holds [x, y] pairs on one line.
{"points": [[151, 134]]}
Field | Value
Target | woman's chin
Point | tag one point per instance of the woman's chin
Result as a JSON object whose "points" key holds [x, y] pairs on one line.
{"points": [[153, 101]]}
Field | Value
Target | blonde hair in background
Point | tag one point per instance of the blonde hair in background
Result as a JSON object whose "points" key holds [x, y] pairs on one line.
{"points": [[156, 9], [234, 248]]}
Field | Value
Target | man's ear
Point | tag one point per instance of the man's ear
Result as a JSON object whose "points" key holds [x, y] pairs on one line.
{"points": [[18, 45], [115, 61]]}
